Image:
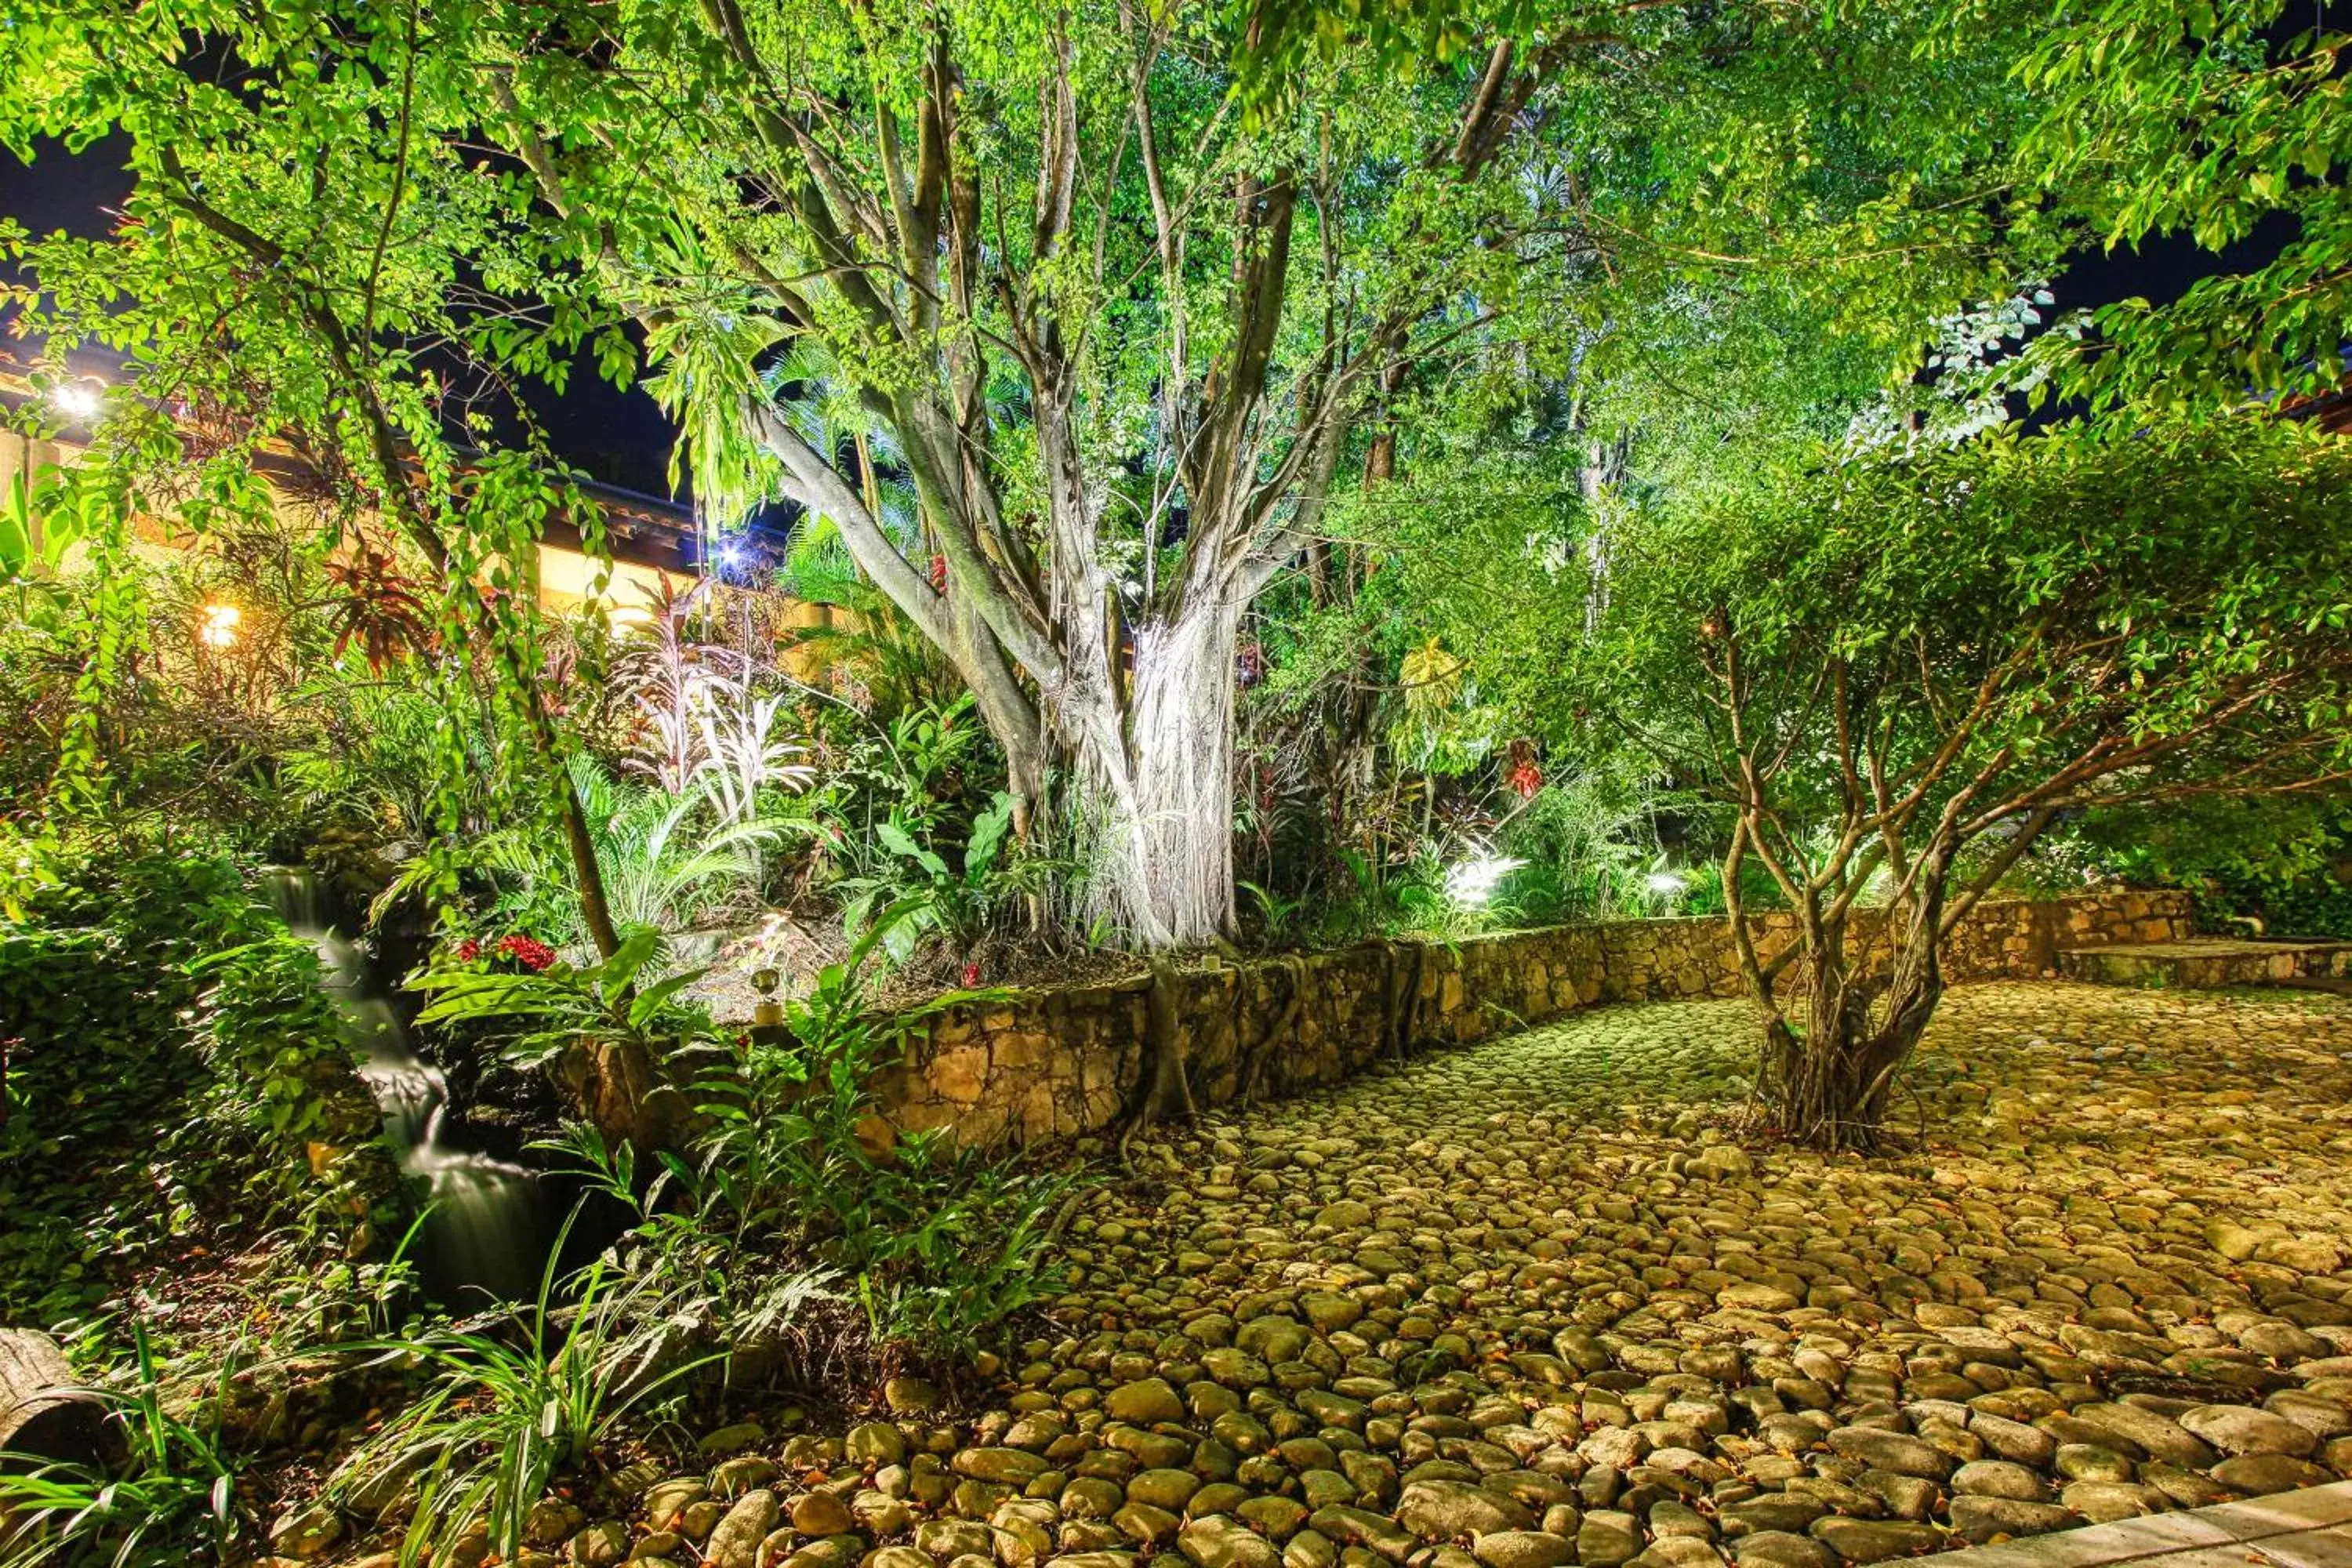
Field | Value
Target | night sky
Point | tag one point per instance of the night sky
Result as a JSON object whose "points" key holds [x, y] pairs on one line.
{"points": [[619, 437], [622, 438]]}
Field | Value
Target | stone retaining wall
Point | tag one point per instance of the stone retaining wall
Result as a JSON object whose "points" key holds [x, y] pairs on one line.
{"points": [[2211, 964], [1064, 1061]]}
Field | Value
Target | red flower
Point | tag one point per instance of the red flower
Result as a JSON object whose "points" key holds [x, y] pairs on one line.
{"points": [[971, 976], [468, 951], [1523, 775], [939, 574], [532, 955]]}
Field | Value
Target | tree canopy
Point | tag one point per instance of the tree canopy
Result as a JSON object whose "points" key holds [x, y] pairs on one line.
{"points": [[1122, 328], [1888, 671]]}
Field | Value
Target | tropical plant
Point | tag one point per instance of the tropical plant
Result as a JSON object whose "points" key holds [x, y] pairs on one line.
{"points": [[1590, 844], [934, 1243], [684, 1252], [743, 756], [863, 645], [505, 1409], [668, 864], [926, 751], [373, 757], [667, 872], [1279, 918], [379, 606], [929, 895], [537, 1013], [665, 675]]}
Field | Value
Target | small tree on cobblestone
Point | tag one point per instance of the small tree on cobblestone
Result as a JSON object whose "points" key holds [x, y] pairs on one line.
{"points": [[1896, 675]]}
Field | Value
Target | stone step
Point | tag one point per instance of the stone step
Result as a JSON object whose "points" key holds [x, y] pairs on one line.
{"points": [[2308, 1529], [2205, 963]]}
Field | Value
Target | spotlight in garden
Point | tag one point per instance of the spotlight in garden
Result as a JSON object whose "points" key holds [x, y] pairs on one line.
{"points": [[1666, 884], [218, 628], [78, 399], [768, 1012], [1470, 883]]}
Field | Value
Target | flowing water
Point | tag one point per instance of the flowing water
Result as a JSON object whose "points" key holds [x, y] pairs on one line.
{"points": [[485, 1229]]}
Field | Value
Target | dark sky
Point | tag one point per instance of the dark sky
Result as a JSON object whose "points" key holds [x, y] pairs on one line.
{"points": [[619, 437], [622, 438]]}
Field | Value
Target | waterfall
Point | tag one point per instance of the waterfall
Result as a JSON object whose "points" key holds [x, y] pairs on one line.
{"points": [[485, 1230]]}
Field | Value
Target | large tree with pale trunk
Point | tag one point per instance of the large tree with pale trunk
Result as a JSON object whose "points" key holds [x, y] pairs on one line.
{"points": [[1117, 325], [1121, 325], [1116, 332]]}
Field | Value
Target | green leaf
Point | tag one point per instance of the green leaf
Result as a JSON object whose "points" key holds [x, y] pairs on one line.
{"points": [[988, 832], [649, 1001]]}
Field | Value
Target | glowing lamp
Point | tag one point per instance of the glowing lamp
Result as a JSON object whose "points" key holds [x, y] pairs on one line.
{"points": [[218, 628], [78, 399], [1470, 883], [1666, 884], [767, 1012]]}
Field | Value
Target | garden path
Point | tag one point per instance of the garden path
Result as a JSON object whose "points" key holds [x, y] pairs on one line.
{"points": [[1525, 1304]]}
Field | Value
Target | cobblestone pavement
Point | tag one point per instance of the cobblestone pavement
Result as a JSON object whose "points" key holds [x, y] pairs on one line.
{"points": [[1526, 1304]]}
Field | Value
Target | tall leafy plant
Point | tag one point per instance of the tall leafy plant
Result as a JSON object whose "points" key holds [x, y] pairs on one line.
{"points": [[934, 1241], [537, 1014], [934, 1244], [171, 1498], [929, 895], [504, 1410]]}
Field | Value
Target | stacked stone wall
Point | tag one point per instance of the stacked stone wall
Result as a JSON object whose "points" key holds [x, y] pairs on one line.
{"points": [[1058, 1062]]}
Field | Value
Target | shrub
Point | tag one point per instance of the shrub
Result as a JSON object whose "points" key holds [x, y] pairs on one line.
{"points": [[957, 901], [937, 1243], [2282, 866], [168, 1034], [934, 1244]]}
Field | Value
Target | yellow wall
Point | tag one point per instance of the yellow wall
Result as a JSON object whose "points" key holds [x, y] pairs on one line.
{"points": [[567, 580], [566, 577]]}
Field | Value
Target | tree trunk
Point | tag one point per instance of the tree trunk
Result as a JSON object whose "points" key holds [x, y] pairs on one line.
{"points": [[617, 1086], [44, 1410], [1836, 1079], [1009, 715], [1162, 807]]}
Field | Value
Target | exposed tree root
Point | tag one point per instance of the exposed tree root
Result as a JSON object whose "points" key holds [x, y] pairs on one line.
{"points": [[1392, 999], [1253, 1065], [1165, 1083], [1404, 998]]}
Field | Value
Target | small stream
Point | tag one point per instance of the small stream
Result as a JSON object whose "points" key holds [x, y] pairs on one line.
{"points": [[486, 1230]]}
